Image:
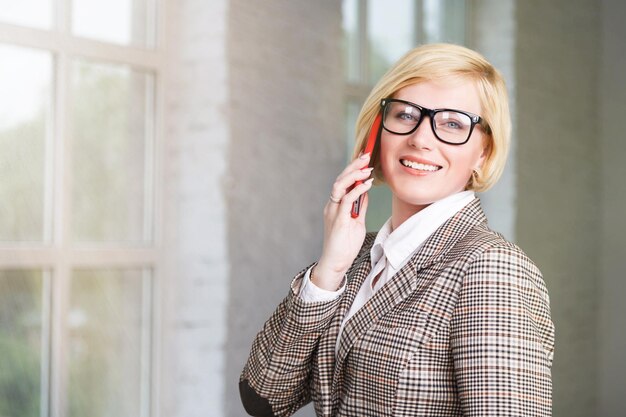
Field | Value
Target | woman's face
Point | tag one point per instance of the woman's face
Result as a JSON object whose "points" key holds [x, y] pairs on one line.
{"points": [[437, 169]]}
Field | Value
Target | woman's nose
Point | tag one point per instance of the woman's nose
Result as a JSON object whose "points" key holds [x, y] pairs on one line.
{"points": [[423, 137]]}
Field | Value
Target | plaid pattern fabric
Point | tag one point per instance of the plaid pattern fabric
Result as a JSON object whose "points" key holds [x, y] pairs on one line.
{"points": [[463, 329]]}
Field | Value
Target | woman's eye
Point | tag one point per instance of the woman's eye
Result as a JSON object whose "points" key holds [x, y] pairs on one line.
{"points": [[451, 124], [407, 117], [452, 121]]}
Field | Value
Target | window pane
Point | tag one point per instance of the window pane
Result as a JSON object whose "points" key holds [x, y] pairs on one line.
{"points": [[112, 114], [128, 22], [107, 344], [20, 342], [352, 110], [25, 85], [34, 13], [444, 21], [390, 33], [351, 40]]}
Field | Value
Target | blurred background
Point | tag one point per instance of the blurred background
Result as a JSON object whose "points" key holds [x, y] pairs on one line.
{"points": [[164, 165]]}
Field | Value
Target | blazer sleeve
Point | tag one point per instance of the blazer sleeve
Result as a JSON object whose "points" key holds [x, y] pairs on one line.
{"points": [[502, 337], [276, 380]]}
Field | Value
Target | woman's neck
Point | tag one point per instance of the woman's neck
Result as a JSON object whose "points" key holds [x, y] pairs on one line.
{"points": [[401, 212]]}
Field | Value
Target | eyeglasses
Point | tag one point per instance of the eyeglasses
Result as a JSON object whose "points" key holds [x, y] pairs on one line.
{"points": [[449, 126]]}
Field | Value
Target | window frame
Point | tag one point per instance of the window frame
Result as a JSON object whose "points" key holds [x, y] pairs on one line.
{"points": [[56, 255]]}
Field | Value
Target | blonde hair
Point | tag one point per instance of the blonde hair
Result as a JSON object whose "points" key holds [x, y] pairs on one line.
{"points": [[436, 62]]}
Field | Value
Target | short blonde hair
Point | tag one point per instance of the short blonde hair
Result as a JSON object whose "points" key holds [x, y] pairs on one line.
{"points": [[437, 62]]}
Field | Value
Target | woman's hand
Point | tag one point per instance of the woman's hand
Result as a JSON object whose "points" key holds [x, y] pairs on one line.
{"points": [[343, 235]]}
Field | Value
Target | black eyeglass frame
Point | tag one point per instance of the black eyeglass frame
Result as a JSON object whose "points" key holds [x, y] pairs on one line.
{"points": [[474, 119]]}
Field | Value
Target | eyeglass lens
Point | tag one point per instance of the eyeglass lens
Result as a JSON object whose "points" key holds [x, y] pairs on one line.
{"points": [[449, 126]]}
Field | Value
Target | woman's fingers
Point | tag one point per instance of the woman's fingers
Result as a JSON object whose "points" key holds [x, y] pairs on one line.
{"points": [[356, 165], [353, 194], [345, 183], [351, 197], [342, 184], [344, 207]]}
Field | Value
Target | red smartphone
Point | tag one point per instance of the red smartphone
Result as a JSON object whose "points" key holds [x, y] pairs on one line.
{"points": [[369, 148]]}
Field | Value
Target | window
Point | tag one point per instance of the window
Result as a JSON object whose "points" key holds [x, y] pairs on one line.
{"points": [[376, 34], [79, 250]]}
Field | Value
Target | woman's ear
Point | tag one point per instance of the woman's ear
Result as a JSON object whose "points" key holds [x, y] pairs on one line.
{"points": [[483, 155]]}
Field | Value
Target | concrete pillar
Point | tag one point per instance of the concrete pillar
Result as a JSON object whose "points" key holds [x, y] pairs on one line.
{"points": [[612, 309], [558, 199], [195, 280], [286, 147]]}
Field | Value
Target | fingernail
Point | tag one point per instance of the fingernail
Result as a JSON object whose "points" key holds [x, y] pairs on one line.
{"points": [[364, 156], [367, 169], [369, 182]]}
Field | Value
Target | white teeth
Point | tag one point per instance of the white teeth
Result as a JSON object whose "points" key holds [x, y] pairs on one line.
{"points": [[417, 165]]}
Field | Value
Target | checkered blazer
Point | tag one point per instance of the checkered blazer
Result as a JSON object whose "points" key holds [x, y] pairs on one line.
{"points": [[463, 329]]}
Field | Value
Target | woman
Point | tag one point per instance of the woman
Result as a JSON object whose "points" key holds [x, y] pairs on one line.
{"points": [[436, 315]]}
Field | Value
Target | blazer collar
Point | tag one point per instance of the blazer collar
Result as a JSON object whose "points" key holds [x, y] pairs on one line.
{"points": [[448, 234], [404, 283]]}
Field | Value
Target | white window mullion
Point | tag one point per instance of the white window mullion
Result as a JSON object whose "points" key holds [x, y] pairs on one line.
{"points": [[46, 351], [138, 58], [48, 258], [51, 162], [149, 162], [155, 339], [60, 292], [111, 258], [155, 300], [146, 341], [62, 213]]}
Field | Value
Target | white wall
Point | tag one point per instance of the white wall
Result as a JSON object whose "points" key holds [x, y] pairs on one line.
{"points": [[612, 308], [195, 291]]}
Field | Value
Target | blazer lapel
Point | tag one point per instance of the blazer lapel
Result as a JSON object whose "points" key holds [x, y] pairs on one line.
{"points": [[448, 234], [392, 293]]}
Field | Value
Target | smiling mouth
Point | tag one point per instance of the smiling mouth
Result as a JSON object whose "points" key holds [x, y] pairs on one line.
{"points": [[419, 167]]}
